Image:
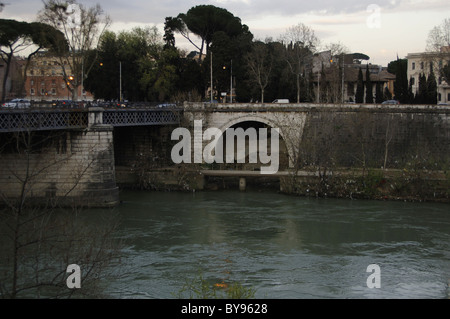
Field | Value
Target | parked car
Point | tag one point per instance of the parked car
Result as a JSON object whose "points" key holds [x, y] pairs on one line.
{"points": [[281, 101], [165, 105], [391, 102], [17, 104]]}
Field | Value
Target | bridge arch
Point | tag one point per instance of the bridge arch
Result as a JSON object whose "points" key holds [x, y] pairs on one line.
{"points": [[241, 120]]}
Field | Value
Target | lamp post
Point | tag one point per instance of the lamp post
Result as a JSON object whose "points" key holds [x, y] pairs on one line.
{"points": [[120, 81], [231, 81]]}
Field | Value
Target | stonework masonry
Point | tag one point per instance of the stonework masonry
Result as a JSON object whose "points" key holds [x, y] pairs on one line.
{"points": [[60, 168]]}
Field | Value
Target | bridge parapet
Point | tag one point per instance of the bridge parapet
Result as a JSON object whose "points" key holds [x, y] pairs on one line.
{"points": [[299, 107]]}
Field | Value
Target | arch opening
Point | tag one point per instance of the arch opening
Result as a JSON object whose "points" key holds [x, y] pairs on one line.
{"points": [[255, 151]]}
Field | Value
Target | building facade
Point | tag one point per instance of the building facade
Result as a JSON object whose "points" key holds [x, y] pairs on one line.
{"points": [[425, 63], [45, 81], [332, 73]]}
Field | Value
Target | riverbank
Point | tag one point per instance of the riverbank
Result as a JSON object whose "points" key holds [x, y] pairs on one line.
{"points": [[392, 184]]}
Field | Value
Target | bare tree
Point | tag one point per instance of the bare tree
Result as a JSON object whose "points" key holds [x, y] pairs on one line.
{"points": [[301, 43], [39, 242], [82, 27], [439, 37], [259, 61], [337, 48]]}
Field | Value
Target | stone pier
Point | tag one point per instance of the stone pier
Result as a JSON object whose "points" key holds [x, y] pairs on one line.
{"points": [[64, 168]]}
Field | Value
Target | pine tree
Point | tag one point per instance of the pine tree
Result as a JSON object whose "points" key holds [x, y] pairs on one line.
{"points": [[401, 80], [421, 95], [411, 97], [387, 94], [431, 89], [359, 97], [378, 93], [369, 89]]}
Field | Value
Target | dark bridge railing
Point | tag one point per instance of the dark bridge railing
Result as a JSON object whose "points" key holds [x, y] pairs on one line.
{"points": [[41, 120], [137, 117], [54, 119]]}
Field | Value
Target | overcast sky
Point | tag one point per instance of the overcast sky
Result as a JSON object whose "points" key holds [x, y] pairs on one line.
{"points": [[379, 28]]}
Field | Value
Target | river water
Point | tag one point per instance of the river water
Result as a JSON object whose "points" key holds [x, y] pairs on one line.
{"points": [[282, 246]]}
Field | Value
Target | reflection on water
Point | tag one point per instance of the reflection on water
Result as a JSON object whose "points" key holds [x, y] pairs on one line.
{"points": [[282, 246]]}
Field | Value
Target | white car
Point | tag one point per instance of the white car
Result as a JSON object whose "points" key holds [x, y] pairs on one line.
{"points": [[17, 104]]}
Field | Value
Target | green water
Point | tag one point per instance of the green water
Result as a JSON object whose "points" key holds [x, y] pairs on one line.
{"points": [[281, 246]]}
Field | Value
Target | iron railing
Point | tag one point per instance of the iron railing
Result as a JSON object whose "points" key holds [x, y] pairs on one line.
{"points": [[138, 117], [40, 120]]}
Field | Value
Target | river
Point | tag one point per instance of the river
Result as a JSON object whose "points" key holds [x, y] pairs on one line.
{"points": [[282, 246]]}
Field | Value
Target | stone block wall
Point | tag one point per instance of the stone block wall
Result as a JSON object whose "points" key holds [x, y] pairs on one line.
{"points": [[59, 167]]}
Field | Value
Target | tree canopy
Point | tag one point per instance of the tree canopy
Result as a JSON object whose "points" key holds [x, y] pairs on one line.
{"points": [[204, 21], [17, 36]]}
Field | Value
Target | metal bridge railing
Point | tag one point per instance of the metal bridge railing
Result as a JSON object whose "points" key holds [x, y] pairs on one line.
{"points": [[40, 120], [130, 117]]}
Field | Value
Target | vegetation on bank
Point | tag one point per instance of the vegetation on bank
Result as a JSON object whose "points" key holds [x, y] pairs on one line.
{"points": [[408, 185]]}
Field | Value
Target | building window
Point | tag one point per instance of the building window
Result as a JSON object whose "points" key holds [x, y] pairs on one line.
{"points": [[448, 97], [32, 92], [42, 91], [421, 65], [439, 97], [412, 81], [413, 66], [53, 91]]}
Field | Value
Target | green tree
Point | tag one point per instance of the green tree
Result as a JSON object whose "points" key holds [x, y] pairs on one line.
{"points": [[204, 21], [431, 93], [369, 90], [379, 98], [421, 95], [359, 97], [400, 69], [445, 72], [104, 80], [16, 37], [150, 70]]}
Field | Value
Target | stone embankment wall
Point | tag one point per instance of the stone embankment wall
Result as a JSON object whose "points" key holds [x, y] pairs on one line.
{"points": [[59, 167]]}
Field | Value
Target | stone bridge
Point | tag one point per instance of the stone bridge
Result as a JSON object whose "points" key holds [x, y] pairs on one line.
{"points": [[74, 154], [318, 134]]}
